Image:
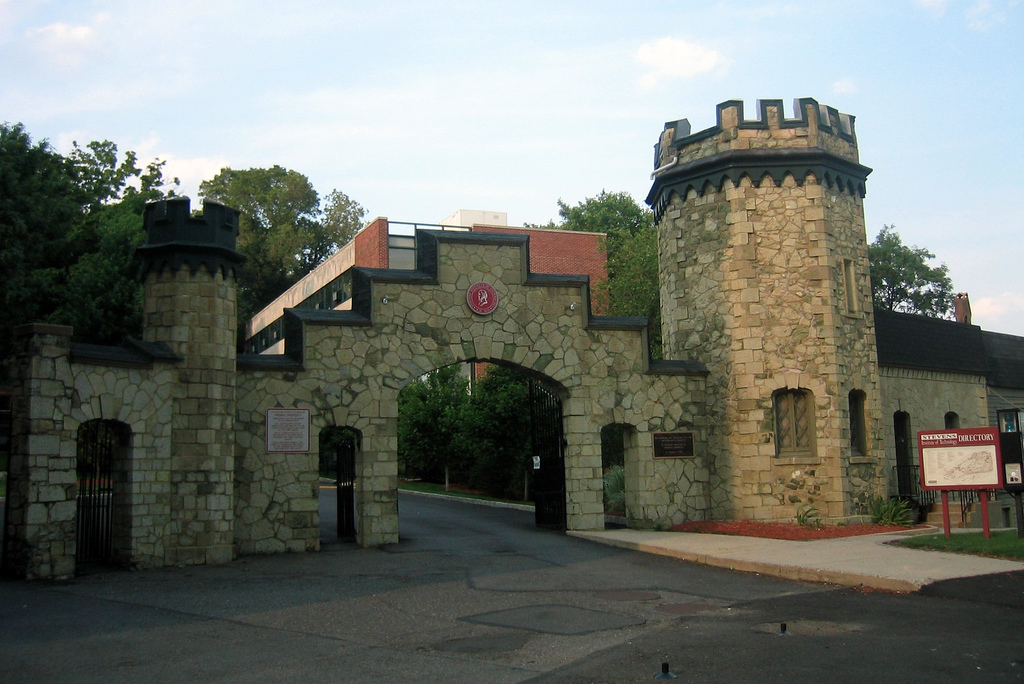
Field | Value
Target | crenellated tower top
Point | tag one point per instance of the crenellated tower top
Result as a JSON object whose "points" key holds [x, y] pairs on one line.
{"points": [[818, 140], [174, 237]]}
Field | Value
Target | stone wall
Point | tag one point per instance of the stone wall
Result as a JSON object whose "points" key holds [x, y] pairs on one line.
{"points": [[927, 396], [54, 396]]}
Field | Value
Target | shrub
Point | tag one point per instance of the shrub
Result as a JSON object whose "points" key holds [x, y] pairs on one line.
{"points": [[893, 511], [615, 489], [808, 516]]}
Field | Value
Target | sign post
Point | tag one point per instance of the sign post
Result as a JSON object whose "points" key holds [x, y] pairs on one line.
{"points": [[959, 460]]}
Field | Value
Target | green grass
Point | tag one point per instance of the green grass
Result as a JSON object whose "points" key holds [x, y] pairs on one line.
{"points": [[1003, 544], [430, 488]]}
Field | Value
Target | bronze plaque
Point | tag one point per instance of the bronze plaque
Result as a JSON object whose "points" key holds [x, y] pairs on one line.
{"points": [[673, 445]]}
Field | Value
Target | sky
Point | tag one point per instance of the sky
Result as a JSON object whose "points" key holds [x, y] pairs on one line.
{"points": [[418, 109]]}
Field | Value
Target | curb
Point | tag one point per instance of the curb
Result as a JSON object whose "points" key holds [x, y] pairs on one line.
{"points": [[464, 499], [792, 572]]}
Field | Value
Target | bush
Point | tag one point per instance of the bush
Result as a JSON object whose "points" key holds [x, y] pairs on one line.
{"points": [[893, 511], [615, 490], [808, 516]]}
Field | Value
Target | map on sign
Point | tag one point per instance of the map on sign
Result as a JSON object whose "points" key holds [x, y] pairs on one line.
{"points": [[961, 465], [959, 459]]}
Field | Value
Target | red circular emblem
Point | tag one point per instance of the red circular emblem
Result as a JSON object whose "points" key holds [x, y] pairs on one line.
{"points": [[482, 298]]}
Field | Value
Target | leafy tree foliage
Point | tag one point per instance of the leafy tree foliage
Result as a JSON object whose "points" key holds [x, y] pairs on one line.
{"points": [[430, 413], [102, 291], [39, 202], [497, 432], [284, 232], [632, 248], [68, 231], [903, 280], [481, 440]]}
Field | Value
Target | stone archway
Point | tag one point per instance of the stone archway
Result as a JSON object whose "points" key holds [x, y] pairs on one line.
{"points": [[347, 368]]}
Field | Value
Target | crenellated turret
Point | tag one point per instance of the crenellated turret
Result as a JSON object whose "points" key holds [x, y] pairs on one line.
{"points": [[819, 142], [194, 311], [175, 237], [764, 278]]}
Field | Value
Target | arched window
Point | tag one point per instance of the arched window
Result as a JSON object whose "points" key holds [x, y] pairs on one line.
{"points": [[858, 425], [952, 420], [794, 423]]}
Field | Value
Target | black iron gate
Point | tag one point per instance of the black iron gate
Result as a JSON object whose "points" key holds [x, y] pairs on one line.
{"points": [[549, 456], [98, 443], [346, 481]]}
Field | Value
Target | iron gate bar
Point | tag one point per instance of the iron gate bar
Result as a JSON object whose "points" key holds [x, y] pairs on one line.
{"points": [[548, 444], [97, 442], [346, 482]]}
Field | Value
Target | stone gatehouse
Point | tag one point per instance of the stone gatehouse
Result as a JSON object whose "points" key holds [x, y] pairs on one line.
{"points": [[772, 373]]}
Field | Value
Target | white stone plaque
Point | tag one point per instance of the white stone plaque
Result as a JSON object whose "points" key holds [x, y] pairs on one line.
{"points": [[287, 431]]}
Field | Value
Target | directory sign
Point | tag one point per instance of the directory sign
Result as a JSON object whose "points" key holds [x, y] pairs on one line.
{"points": [[960, 459]]}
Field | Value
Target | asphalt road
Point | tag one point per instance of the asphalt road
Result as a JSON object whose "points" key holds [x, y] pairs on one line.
{"points": [[480, 594]]}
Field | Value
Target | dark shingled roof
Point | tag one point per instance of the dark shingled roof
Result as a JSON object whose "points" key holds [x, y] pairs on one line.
{"points": [[914, 341], [1005, 359]]}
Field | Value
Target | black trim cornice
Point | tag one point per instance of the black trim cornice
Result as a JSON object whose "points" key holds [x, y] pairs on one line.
{"points": [[174, 255], [135, 354], [176, 238], [830, 169]]}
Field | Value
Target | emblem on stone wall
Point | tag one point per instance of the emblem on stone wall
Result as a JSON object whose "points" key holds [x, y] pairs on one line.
{"points": [[482, 298]]}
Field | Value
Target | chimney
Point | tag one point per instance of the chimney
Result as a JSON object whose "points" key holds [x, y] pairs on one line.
{"points": [[962, 308]]}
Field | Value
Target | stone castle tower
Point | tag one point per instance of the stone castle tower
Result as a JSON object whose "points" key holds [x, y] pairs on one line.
{"points": [[764, 278], [191, 306]]}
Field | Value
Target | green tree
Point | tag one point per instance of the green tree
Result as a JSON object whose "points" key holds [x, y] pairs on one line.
{"points": [[284, 234], [342, 219], [68, 231], [102, 290], [903, 280], [496, 432], [631, 244], [39, 202], [430, 413]]}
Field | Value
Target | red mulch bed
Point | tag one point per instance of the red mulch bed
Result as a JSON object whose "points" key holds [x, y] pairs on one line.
{"points": [[781, 530]]}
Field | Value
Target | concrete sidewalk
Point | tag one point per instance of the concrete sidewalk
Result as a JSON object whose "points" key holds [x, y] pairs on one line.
{"points": [[867, 560]]}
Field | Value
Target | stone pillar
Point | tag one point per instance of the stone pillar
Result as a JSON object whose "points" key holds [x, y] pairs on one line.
{"points": [[39, 539], [191, 305], [764, 278]]}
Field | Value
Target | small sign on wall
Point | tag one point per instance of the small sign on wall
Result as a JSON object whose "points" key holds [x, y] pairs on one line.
{"points": [[287, 431], [674, 445]]}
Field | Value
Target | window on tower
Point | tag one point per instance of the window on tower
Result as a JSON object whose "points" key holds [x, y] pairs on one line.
{"points": [[794, 423]]}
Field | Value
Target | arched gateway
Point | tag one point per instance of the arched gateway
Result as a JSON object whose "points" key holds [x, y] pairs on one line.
{"points": [[347, 368]]}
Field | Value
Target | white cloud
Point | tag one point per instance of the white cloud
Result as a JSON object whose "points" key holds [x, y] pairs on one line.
{"points": [[935, 7], [982, 16], [999, 314], [671, 58], [67, 45], [844, 86], [191, 171]]}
